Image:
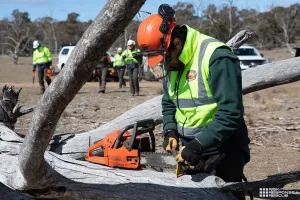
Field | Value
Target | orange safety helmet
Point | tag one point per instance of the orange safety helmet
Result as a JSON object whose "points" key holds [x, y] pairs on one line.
{"points": [[149, 38]]}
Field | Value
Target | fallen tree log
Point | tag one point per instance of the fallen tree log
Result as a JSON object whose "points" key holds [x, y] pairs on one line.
{"points": [[84, 180], [274, 181], [271, 74]]}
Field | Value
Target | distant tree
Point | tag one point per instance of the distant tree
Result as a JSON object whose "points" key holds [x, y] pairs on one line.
{"points": [[274, 28], [221, 23], [185, 13], [20, 17], [73, 17], [53, 29], [47, 32], [17, 34], [213, 24], [287, 22], [69, 31]]}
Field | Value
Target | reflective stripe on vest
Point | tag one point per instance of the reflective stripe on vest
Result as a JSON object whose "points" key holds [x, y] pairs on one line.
{"points": [[194, 107], [189, 132], [191, 103]]}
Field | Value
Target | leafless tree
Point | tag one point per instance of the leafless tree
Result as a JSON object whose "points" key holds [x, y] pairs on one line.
{"points": [[286, 19], [51, 8], [18, 33]]}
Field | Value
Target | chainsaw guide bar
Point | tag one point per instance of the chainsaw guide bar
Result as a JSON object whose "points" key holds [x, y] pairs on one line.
{"points": [[158, 161]]}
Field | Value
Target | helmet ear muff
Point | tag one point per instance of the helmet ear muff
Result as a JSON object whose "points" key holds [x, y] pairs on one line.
{"points": [[167, 13], [164, 26]]}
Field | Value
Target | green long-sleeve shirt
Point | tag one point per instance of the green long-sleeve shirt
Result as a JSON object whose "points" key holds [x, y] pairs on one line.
{"points": [[227, 129]]}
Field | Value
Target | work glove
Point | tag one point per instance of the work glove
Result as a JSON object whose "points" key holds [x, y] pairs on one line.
{"points": [[179, 158], [190, 154], [171, 140]]}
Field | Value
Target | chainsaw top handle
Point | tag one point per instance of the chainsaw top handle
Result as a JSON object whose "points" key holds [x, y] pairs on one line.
{"points": [[139, 127]]}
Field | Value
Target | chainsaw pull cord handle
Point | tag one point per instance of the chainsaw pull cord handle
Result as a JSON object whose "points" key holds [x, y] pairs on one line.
{"points": [[126, 128], [146, 126], [151, 133]]}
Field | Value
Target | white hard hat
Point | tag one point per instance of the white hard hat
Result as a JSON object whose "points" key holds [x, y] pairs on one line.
{"points": [[130, 42], [119, 50], [36, 44]]}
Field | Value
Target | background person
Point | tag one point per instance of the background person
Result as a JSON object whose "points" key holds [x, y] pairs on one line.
{"points": [[132, 66], [101, 71], [119, 66], [43, 61]]}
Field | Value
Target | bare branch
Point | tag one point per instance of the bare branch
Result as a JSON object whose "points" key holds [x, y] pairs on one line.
{"points": [[28, 39], [7, 44], [12, 39]]}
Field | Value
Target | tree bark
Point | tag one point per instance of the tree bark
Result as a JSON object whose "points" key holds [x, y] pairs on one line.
{"points": [[271, 74], [274, 181], [239, 39]]}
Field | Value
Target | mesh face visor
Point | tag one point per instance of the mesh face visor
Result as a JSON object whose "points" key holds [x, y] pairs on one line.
{"points": [[157, 55], [154, 52], [153, 57]]}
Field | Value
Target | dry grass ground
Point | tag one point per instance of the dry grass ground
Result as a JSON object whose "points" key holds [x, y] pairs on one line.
{"points": [[272, 115]]}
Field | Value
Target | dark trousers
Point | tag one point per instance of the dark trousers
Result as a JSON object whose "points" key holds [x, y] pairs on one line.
{"points": [[101, 75], [42, 74], [121, 71], [133, 79], [231, 167]]}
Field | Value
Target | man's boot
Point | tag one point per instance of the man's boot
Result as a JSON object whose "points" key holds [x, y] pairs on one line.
{"points": [[42, 90], [48, 80]]}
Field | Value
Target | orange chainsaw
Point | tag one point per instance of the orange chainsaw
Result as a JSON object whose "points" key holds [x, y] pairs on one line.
{"points": [[135, 150], [130, 149]]}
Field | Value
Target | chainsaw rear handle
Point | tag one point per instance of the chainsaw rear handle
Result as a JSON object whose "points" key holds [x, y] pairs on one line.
{"points": [[139, 127]]}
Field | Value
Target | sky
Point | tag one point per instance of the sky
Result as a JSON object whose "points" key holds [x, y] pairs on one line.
{"points": [[89, 9]]}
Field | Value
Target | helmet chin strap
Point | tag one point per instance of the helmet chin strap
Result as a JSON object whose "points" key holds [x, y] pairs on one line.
{"points": [[164, 70]]}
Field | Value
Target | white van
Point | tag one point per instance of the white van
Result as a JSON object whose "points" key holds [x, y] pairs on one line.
{"points": [[65, 53], [249, 57], [63, 56]]}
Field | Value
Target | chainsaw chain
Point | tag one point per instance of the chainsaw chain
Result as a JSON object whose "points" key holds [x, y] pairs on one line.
{"points": [[167, 168], [159, 153], [160, 167]]}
